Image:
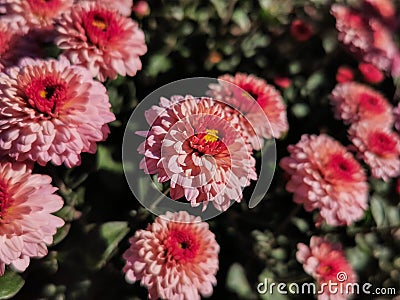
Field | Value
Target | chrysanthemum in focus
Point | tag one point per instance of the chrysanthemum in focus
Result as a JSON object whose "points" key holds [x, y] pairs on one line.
{"points": [[354, 102], [192, 143], [124, 7], [51, 111], [175, 258], [366, 37], [323, 175], [101, 40], [378, 147], [39, 14], [26, 224], [268, 98], [326, 263]]}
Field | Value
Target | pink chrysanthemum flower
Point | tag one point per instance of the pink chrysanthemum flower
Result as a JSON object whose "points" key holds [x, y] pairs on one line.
{"points": [[365, 37], [39, 14], [101, 40], [354, 102], [325, 176], [124, 7], [26, 224], [378, 147], [268, 98], [51, 111], [175, 258], [193, 144], [326, 263]]}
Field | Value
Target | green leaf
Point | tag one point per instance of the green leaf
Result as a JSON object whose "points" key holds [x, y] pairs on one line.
{"points": [[378, 211], [111, 233], [242, 20], [236, 281], [10, 284], [105, 160], [221, 7], [158, 63]]}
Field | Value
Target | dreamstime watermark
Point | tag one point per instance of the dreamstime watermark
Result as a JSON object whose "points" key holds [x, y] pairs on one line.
{"points": [[338, 287]]}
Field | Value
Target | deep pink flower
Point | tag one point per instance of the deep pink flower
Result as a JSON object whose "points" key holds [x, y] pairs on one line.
{"points": [[40, 14], [283, 82], [301, 31], [268, 98], [325, 176], [26, 224], [344, 74], [371, 73], [51, 111], [193, 144], [354, 102], [378, 147], [366, 37], [101, 40], [175, 258], [326, 263], [124, 7]]}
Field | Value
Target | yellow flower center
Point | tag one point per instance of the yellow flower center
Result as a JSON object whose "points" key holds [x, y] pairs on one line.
{"points": [[99, 24], [211, 136], [43, 93]]}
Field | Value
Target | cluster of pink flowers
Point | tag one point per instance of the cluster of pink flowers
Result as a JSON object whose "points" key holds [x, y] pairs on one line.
{"points": [[371, 117], [53, 110], [326, 263], [367, 31]]}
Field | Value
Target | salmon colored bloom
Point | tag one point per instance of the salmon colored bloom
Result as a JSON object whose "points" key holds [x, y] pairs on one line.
{"points": [[193, 144], [141, 8], [39, 14], [344, 74], [268, 98], [27, 225], [354, 102], [327, 264], [325, 176], [51, 111], [371, 73], [301, 31], [366, 37], [100, 39], [175, 258], [378, 147]]}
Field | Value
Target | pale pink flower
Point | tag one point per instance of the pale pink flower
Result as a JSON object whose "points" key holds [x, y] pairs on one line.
{"points": [[39, 14], [193, 144], [326, 263], [124, 7], [51, 111], [101, 40], [323, 175], [267, 97], [366, 37], [175, 258], [378, 147], [354, 102], [26, 224]]}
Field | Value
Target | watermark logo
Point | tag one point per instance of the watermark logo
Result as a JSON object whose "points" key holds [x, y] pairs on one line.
{"points": [[340, 286]]}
